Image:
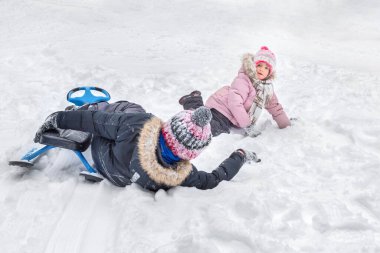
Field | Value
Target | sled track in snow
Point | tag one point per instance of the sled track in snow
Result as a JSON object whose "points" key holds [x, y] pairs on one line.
{"points": [[86, 213]]}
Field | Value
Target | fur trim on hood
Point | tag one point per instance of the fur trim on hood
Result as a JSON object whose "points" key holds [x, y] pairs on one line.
{"points": [[147, 145], [249, 68]]}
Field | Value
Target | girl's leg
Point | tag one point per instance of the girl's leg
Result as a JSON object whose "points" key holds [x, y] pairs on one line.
{"points": [[191, 101], [219, 123]]}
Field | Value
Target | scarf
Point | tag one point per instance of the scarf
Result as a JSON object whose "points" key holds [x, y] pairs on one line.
{"points": [[264, 92], [166, 153]]}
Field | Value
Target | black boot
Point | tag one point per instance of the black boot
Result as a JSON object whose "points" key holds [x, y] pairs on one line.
{"points": [[183, 99]]}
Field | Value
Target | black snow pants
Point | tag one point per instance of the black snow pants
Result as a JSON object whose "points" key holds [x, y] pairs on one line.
{"points": [[219, 123]]}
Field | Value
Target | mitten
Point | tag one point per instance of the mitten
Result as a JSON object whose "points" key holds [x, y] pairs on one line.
{"points": [[251, 131], [249, 156], [50, 123], [293, 121]]}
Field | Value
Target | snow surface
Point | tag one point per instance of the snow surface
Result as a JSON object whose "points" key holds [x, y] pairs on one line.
{"points": [[317, 188]]}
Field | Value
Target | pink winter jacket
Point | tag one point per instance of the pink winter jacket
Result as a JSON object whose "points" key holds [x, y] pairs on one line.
{"points": [[235, 101]]}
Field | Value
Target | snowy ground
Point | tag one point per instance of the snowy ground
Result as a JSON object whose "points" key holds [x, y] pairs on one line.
{"points": [[317, 188]]}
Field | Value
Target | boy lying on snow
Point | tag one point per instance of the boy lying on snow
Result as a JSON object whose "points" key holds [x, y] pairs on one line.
{"points": [[132, 146]]}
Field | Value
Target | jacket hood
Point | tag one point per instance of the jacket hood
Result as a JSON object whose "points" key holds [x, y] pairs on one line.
{"points": [[147, 146], [248, 66]]}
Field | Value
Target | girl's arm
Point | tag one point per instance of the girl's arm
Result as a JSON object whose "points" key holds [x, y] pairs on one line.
{"points": [[277, 112]]}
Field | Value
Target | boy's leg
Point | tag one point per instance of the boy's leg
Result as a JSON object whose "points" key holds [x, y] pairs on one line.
{"points": [[120, 106], [124, 106], [87, 107]]}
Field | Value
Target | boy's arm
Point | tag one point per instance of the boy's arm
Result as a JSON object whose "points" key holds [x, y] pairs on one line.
{"points": [[225, 171]]}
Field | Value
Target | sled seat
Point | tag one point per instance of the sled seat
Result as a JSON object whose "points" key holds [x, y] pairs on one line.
{"points": [[67, 139]]}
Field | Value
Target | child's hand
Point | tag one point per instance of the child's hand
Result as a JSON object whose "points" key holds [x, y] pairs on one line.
{"points": [[249, 156], [251, 131], [293, 121]]}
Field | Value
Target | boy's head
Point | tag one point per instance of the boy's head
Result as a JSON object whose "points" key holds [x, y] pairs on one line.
{"points": [[264, 58], [188, 132]]}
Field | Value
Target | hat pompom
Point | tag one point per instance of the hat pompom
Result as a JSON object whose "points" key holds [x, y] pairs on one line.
{"points": [[201, 116], [264, 48]]}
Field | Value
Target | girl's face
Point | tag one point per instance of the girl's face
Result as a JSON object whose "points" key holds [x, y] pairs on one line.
{"points": [[262, 70]]}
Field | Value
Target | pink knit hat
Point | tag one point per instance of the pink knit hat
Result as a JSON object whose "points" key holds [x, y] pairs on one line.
{"points": [[266, 56], [187, 133]]}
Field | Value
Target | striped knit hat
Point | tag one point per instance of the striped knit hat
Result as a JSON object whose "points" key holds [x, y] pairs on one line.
{"points": [[266, 56], [187, 133]]}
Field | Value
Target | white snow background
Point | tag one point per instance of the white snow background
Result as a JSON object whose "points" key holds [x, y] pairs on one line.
{"points": [[317, 188]]}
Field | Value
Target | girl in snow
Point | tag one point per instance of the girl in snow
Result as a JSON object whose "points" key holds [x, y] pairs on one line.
{"points": [[240, 104], [132, 146]]}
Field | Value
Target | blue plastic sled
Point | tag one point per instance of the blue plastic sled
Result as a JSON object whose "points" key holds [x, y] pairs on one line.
{"points": [[76, 141]]}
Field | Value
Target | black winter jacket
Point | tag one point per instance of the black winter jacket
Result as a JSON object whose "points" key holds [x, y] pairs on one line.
{"points": [[125, 150]]}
